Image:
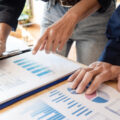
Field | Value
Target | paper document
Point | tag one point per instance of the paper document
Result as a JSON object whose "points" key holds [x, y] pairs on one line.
{"points": [[27, 72], [63, 103], [15, 44]]}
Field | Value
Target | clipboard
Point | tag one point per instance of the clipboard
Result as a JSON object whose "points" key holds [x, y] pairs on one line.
{"points": [[34, 87]]}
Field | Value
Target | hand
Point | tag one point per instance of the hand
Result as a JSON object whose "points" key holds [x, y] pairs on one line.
{"points": [[56, 35], [4, 32], [97, 73]]}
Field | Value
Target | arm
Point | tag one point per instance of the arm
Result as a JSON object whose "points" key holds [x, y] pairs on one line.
{"points": [[108, 68], [9, 13], [111, 53], [58, 33]]}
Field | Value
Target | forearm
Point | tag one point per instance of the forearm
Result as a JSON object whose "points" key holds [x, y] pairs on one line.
{"points": [[4, 31], [83, 9]]}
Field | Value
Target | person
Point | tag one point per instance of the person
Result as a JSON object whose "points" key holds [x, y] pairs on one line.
{"points": [[108, 66], [61, 23]]}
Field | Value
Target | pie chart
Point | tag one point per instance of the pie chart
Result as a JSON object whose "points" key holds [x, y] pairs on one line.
{"points": [[98, 97]]}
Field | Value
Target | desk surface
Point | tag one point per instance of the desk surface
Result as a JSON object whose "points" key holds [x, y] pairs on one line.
{"points": [[111, 83]]}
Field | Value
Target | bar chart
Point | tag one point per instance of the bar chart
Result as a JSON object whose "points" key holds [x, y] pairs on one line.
{"points": [[43, 111], [63, 103], [33, 67], [78, 109]]}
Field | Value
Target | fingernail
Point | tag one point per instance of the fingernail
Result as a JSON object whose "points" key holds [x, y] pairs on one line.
{"points": [[88, 91], [33, 52], [79, 91], [73, 87], [47, 52]]}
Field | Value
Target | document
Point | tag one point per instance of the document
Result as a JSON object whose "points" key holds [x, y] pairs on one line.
{"points": [[63, 103], [26, 72], [15, 44]]}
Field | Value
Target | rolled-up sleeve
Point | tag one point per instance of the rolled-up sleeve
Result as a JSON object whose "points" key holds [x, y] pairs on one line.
{"points": [[10, 10], [104, 5]]}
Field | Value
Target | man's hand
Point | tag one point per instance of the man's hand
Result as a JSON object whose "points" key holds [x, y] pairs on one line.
{"points": [[96, 73], [4, 32], [56, 35]]}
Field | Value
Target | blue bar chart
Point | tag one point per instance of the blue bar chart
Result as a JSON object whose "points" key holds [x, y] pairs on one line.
{"points": [[79, 109], [43, 111], [33, 67]]}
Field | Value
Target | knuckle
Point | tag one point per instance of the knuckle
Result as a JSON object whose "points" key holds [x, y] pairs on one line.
{"points": [[48, 29], [98, 78], [89, 73], [84, 69]]}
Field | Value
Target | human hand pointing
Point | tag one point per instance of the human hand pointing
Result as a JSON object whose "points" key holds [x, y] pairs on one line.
{"points": [[56, 35]]}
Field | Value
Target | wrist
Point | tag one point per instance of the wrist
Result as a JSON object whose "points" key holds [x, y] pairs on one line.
{"points": [[116, 70], [71, 17]]}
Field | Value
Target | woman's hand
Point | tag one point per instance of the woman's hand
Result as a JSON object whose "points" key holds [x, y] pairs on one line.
{"points": [[96, 73]]}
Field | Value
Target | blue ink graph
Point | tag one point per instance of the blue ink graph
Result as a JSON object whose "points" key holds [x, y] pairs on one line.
{"points": [[33, 67], [43, 111], [79, 109]]}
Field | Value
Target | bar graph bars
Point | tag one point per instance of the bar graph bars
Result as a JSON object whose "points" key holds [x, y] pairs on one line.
{"points": [[78, 109], [33, 67], [44, 112]]}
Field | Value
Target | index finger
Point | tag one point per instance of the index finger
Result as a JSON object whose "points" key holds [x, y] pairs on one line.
{"points": [[39, 43]]}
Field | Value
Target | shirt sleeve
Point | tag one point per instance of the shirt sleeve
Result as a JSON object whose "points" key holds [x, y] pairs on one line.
{"points": [[104, 5], [10, 10], [111, 53]]}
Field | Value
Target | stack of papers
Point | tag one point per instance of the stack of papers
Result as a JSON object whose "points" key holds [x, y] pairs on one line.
{"points": [[63, 103], [24, 73]]}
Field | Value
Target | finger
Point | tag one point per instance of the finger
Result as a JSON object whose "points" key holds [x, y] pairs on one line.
{"points": [[39, 42], [62, 43], [56, 43], [49, 42], [96, 83], [43, 45], [80, 76], [78, 79], [73, 76], [88, 77]]}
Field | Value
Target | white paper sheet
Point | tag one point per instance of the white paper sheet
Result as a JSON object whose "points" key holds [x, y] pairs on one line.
{"points": [[63, 103], [26, 72], [15, 44]]}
